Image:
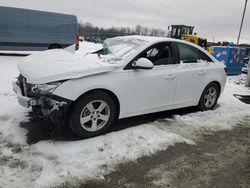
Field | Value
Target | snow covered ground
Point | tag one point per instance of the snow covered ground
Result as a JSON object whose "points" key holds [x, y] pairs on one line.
{"points": [[48, 163]]}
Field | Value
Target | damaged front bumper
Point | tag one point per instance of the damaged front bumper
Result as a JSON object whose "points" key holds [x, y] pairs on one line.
{"points": [[23, 100], [48, 105]]}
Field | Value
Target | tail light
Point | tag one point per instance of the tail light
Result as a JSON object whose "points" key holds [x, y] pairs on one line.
{"points": [[77, 42]]}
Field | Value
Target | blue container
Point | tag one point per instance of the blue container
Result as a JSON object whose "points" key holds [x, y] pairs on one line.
{"points": [[232, 57]]}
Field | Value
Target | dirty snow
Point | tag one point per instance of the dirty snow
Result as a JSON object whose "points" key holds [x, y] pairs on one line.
{"points": [[48, 163]]}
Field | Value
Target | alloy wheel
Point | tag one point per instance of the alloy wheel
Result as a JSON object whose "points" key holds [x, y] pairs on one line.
{"points": [[210, 97], [95, 115]]}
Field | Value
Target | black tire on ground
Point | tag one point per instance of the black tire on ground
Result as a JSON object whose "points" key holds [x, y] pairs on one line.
{"points": [[80, 108], [204, 104], [55, 46]]}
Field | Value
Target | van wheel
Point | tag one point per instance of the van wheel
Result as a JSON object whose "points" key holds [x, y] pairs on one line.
{"points": [[92, 115], [55, 46], [209, 97]]}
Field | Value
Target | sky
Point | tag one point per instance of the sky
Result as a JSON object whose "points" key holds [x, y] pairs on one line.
{"points": [[216, 20]]}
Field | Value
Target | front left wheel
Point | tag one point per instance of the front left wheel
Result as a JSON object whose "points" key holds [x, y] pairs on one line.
{"points": [[93, 114]]}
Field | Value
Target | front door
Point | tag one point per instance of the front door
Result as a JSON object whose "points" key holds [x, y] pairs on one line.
{"points": [[153, 90]]}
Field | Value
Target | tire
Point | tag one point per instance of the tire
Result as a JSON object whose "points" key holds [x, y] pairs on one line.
{"points": [[209, 97], [92, 115]]}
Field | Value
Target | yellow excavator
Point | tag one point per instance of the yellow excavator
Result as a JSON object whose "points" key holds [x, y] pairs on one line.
{"points": [[185, 32]]}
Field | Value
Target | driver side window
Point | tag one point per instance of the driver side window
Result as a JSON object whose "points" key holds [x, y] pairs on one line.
{"points": [[160, 54]]}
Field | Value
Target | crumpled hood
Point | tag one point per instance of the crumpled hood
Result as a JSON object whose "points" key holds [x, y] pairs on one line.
{"points": [[56, 65]]}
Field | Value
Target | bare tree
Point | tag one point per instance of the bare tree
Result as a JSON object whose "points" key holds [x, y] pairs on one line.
{"points": [[87, 29]]}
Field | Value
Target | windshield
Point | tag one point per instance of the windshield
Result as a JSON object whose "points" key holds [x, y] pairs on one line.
{"points": [[119, 48]]}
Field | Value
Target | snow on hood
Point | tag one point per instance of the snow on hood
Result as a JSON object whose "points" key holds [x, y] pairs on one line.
{"points": [[56, 65]]}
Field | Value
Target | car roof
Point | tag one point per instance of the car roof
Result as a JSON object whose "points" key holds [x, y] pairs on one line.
{"points": [[146, 38], [151, 40]]}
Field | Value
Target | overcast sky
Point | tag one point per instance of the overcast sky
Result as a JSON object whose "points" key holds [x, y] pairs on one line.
{"points": [[218, 19]]}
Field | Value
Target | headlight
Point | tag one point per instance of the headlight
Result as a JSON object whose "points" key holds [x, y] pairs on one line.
{"points": [[45, 88]]}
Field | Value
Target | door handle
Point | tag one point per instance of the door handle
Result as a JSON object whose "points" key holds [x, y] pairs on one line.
{"points": [[202, 72], [170, 77]]}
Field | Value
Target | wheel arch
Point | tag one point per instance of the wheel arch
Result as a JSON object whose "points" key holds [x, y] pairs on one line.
{"points": [[215, 82], [110, 93], [55, 44]]}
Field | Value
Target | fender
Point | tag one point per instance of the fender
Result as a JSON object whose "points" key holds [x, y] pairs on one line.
{"points": [[115, 83]]}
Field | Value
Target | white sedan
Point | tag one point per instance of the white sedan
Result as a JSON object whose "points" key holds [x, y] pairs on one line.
{"points": [[129, 76]]}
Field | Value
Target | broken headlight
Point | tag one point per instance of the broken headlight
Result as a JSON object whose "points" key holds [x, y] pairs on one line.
{"points": [[44, 89]]}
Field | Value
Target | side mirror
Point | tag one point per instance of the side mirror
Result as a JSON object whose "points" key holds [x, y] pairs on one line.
{"points": [[142, 63]]}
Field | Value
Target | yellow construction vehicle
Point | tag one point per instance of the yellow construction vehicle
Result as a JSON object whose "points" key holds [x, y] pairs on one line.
{"points": [[186, 33]]}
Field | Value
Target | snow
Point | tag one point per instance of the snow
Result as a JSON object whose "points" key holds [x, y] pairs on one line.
{"points": [[88, 47], [9, 119], [60, 64], [120, 48], [48, 163], [54, 65], [85, 47], [57, 64]]}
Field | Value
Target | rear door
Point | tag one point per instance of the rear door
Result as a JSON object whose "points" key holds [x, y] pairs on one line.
{"points": [[192, 74], [14, 29]]}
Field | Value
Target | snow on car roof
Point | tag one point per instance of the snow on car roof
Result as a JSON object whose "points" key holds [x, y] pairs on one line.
{"points": [[152, 39], [145, 38]]}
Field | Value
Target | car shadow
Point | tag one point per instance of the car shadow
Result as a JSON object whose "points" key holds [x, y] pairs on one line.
{"points": [[40, 130]]}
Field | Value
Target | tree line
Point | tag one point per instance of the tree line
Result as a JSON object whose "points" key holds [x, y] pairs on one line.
{"points": [[88, 28]]}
